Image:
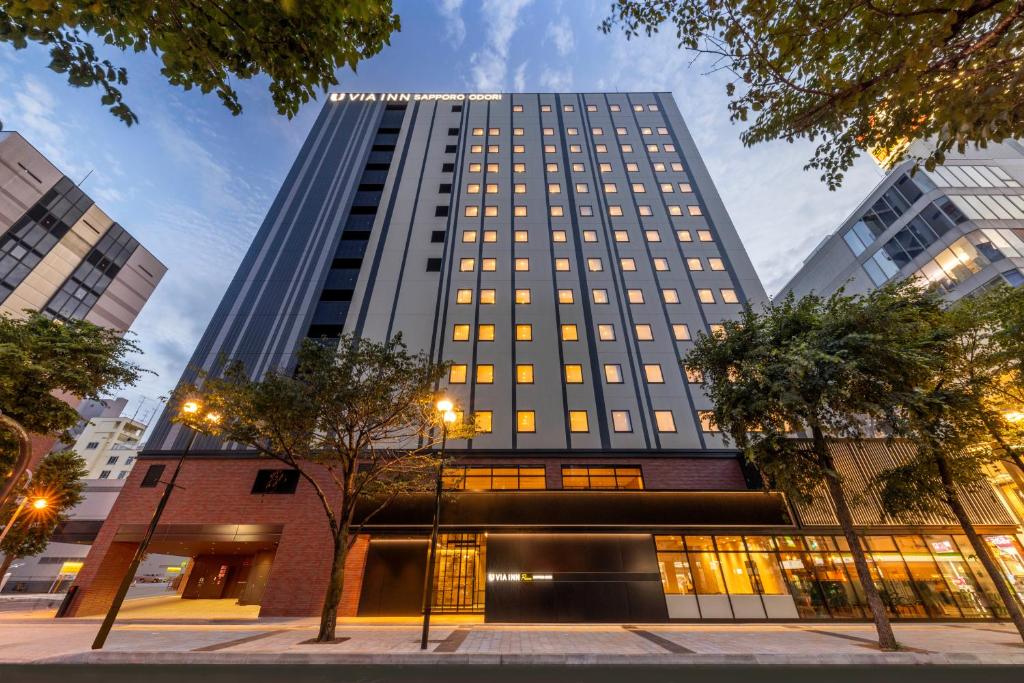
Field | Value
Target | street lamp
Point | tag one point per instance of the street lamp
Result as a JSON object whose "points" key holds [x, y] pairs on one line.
{"points": [[191, 407], [446, 409], [38, 503]]}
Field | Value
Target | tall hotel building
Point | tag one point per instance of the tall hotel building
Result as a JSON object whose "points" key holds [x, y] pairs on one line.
{"points": [[563, 251]]}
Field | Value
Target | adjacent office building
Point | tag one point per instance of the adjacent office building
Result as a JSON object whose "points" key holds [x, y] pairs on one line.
{"points": [[563, 251]]}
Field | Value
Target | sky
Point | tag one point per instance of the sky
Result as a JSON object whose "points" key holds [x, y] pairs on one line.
{"points": [[192, 182]]}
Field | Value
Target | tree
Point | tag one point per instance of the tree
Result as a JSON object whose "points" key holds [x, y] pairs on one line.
{"points": [[949, 421], [827, 366], [856, 74], [358, 424], [58, 479], [42, 359], [297, 45]]}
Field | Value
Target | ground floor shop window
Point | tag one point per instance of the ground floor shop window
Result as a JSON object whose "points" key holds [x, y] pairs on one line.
{"points": [[460, 574], [918, 576]]}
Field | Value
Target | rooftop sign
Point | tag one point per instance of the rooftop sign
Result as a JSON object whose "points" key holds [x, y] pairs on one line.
{"points": [[412, 97]]}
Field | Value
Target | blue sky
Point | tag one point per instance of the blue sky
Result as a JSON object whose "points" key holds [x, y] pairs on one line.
{"points": [[193, 183]]}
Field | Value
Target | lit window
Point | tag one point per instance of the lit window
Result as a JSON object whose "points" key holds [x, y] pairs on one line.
{"points": [[518, 149], [704, 235], [597, 131], [524, 332], [621, 235], [667, 188], [519, 211], [670, 296], [575, 149], [638, 107], [621, 421], [464, 296], [572, 131], [620, 131], [681, 332], [643, 332], [586, 210], [685, 187], [652, 235], [490, 211], [652, 107], [627, 149], [548, 131], [729, 296], [493, 131], [522, 296], [614, 210], [524, 373], [568, 107], [595, 265], [469, 235], [646, 131], [591, 107], [545, 107], [549, 149], [635, 296], [693, 210], [659, 166], [578, 168], [665, 420], [492, 149], [492, 168], [684, 236], [492, 188], [554, 188], [627, 264], [668, 147], [645, 210], [518, 132], [557, 211], [517, 107], [569, 332], [477, 132], [565, 296], [519, 168], [707, 421], [558, 236], [457, 374], [675, 210], [606, 332], [706, 296], [578, 421], [519, 188], [639, 188], [490, 235], [487, 296], [589, 235], [472, 211], [573, 374], [474, 168], [632, 167], [482, 421], [582, 188], [610, 188], [485, 374], [485, 332], [489, 265], [613, 373], [521, 236], [551, 168], [599, 296], [652, 148], [460, 333], [601, 149], [614, 107], [522, 264], [605, 168], [694, 376], [661, 264], [525, 421], [716, 329], [694, 264], [466, 265], [562, 265], [652, 371]]}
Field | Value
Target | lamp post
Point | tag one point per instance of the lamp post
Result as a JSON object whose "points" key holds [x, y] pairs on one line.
{"points": [[444, 406], [188, 408], [24, 455]]}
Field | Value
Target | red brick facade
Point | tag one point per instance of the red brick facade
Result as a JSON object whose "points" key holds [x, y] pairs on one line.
{"points": [[218, 491]]}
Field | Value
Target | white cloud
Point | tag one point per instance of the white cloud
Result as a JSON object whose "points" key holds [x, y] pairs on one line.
{"points": [[519, 80], [561, 36], [556, 80], [490, 63], [455, 27]]}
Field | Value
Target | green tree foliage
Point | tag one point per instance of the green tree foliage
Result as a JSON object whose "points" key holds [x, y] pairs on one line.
{"points": [[951, 422], [358, 423], [996, 364], [855, 74], [42, 360], [205, 44], [829, 366], [58, 479]]}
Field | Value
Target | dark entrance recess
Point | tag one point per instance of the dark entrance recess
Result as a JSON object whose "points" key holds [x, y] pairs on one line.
{"points": [[393, 578], [568, 578]]}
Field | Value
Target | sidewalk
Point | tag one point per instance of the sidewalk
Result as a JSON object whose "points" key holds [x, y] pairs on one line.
{"points": [[32, 638]]}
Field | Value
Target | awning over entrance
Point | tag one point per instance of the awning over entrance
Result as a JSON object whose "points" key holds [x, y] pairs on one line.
{"points": [[194, 539], [581, 510]]}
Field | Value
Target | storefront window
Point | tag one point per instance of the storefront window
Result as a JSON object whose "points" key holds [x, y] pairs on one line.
{"points": [[892, 578], [839, 592], [929, 581], [804, 585], [735, 565], [988, 588], [1008, 555], [962, 584], [704, 566], [460, 569]]}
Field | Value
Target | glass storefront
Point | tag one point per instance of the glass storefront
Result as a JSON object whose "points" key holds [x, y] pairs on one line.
{"points": [[460, 573], [918, 576]]}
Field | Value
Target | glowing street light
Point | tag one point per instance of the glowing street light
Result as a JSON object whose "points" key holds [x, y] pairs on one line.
{"points": [[448, 416], [40, 503]]}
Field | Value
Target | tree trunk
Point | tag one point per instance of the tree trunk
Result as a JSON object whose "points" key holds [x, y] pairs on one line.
{"points": [[6, 565], [329, 615], [886, 638], [1006, 594]]}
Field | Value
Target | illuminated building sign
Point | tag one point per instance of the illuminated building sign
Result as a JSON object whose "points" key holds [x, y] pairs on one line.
{"points": [[412, 97], [516, 577]]}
